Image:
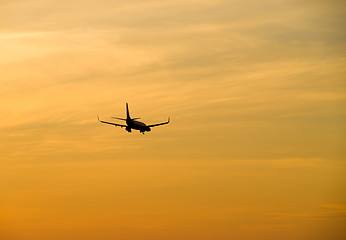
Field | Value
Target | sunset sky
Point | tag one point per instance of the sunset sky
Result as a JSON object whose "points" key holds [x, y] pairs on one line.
{"points": [[256, 93]]}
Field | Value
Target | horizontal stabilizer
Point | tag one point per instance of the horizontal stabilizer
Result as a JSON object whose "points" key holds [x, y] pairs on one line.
{"points": [[119, 118]]}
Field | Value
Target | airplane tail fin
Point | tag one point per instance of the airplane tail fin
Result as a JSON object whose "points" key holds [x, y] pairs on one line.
{"points": [[127, 111]]}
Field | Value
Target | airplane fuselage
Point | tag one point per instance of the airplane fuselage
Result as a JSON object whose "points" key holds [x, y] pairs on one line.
{"points": [[142, 127]]}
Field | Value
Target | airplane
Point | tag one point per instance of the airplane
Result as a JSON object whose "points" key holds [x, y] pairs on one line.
{"points": [[132, 124]]}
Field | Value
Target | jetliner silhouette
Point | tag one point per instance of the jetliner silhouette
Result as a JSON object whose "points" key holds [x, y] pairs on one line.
{"points": [[132, 124]]}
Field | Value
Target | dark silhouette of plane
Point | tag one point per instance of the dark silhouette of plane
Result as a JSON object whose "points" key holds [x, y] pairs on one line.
{"points": [[132, 124]]}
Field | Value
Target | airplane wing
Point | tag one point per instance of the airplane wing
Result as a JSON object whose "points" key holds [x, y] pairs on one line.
{"points": [[158, 124], [115, 124]]}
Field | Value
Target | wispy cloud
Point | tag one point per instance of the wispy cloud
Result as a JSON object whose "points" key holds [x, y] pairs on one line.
{"points": [[325, 211]]}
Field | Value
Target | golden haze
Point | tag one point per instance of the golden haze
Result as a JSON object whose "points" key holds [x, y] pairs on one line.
{"points": [[256, 93]]}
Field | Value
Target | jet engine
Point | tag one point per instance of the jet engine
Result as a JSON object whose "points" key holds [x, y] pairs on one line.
{"points": [[128, 129]]}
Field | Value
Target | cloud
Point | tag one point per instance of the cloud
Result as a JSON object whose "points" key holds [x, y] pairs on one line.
{"points": [[326, 211], [262, 77]]}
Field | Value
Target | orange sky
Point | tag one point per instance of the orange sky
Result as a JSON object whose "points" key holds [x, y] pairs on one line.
{"points": [[255, 91]]}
